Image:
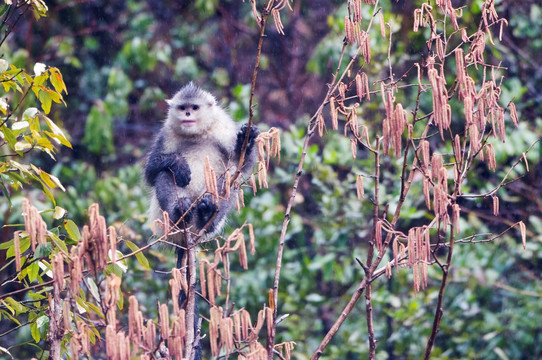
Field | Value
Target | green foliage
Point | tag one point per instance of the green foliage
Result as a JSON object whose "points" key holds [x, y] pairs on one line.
{"points": [[118, 77], [23, 130]]}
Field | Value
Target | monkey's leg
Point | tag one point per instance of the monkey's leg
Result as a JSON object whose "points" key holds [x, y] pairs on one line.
{"points": [[169, 200]]}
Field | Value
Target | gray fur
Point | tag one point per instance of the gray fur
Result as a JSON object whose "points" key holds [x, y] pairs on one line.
{"points": [[196, 128]]}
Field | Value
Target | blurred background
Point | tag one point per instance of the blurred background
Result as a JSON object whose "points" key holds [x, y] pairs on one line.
{"points": [[121, 59]]}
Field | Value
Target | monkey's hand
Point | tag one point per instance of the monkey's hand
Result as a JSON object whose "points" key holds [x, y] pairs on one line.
{"points": [[205, 210], [254, 132], [180, 170], [173, 164]]}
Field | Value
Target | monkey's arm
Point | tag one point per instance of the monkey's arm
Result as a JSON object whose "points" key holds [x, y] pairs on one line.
{"points": [[174, 164], [250, 154]]}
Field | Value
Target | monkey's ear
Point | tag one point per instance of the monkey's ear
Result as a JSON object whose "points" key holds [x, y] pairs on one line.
{"points": [[169, 102]]}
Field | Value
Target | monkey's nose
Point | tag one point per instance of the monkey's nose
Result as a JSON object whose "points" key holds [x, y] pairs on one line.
{"points": [[187, 113]]}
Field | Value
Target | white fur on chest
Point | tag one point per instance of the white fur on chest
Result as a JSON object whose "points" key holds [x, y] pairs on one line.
{"points": [[195, 152], [195, 157]]}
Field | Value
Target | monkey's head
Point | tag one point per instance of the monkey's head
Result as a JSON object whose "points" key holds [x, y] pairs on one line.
{"points": [[191, 111]]}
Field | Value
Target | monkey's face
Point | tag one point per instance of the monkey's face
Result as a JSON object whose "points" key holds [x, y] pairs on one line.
{"points": [[191, 111], [189, 118]]}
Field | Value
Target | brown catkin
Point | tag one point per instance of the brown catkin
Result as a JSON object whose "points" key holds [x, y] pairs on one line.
{"points": [[243, 260], [523, 234], [366, 48], [246, 324], [211, 284], [164, 321], [226, 334], [378, 236], [426, 194], [111, 344], [356, 4], [320, 121], [58, 270], [513, 113], [203, 278], [348, 30], [66, 315], [214, 324], [382, 25], [259, 322], [269, 318], [436, 165], [495, 205], [359, 87], [333, 112], [113, 244], [236, 317], [359, 187], [526, 162], [460, 65], [76, 274], [150, 335], [17, 248], [416, 277], [456, 209], [75, 346], [490, 156], [395, 253], [417, 16]]}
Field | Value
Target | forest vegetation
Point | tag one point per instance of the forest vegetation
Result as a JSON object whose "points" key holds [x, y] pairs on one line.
{"points": [[395, 211]]}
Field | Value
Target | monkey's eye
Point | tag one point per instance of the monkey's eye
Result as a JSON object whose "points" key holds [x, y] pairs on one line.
{"points": [[181, 107], [195, 107]]}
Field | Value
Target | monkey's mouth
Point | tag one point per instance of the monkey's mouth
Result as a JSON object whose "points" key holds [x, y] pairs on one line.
{"points": [[188, 122]]}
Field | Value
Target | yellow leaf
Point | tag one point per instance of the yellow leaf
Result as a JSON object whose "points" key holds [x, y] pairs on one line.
{"points": [[58, 134], [57, 80]]}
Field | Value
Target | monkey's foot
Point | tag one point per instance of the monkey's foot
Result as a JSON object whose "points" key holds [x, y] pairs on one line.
{"points": [[179, 209], [205, 210]]}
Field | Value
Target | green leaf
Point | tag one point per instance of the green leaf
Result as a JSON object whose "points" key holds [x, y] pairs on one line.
{"points": [[33, 270], [50, 180], [59, 243], [95, 309], [93, 289], [139, 256], [6, 192], [42, 320], [8, 307], [9, 136], [35, 332], [46, 100], [72, 229], [99, 130], [3, 9], [9, 316], [15, 305], [6, 245], [39, 8], [48, 193], [24, 244]]}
